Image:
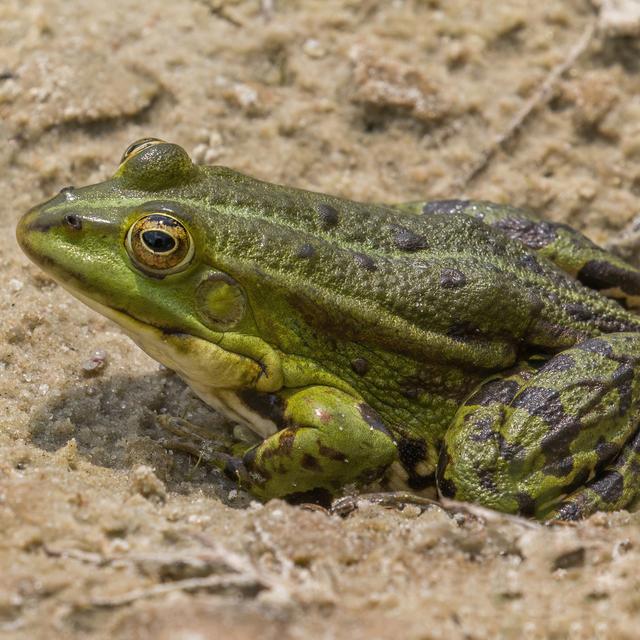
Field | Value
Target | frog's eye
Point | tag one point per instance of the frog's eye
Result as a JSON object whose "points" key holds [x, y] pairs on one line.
{"points": [[138, 146], [159, 244]]}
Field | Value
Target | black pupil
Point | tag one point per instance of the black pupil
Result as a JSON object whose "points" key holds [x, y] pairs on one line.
{"points": [[158, 241]]}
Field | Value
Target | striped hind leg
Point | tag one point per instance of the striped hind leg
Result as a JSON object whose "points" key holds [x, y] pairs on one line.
{"points": [[558, 441], [615, 487]]}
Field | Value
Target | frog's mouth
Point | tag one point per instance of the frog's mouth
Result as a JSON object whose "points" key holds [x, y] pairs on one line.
{"points": [[213, 373], [202, 363]]}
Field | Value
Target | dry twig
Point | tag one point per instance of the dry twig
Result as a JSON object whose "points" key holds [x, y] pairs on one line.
{"points": [[344, 506], [540, 97], [248, 584]]}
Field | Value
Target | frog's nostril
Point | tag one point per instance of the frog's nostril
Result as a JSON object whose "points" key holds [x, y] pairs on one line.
{"points": [[73, 221]]}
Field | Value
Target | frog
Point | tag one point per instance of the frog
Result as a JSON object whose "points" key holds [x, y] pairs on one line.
{"points": [[457, 346]]}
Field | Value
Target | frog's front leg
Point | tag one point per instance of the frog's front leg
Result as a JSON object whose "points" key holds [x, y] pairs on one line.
{"points": [[329, 439], [560, 441]]}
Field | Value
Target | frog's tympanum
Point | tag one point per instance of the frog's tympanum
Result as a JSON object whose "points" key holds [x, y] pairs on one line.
{"points": [[455, 344]]}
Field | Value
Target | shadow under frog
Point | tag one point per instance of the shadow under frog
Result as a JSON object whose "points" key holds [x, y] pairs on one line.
{"points": [[115, 423]]}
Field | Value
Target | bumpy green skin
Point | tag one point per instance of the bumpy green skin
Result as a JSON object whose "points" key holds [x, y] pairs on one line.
{"points": [[461, 343]]}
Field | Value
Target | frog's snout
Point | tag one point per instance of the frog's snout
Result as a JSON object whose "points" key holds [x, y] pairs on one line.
{"points": [[40, 221], [25, 228]]}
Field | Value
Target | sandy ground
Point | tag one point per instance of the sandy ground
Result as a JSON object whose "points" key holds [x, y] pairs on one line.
{"points": [[106, 534]]}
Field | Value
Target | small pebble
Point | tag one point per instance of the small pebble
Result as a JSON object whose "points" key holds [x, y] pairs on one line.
{"points": [[314, 49], [145, 482], [96, 362]]}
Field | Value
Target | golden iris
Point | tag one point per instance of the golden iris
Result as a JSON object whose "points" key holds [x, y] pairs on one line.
{"points": [[159, 244]]}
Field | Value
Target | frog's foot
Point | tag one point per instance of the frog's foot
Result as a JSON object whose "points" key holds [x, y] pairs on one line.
{"points": [[181, 427], [328, 439], [557, 442], [200, 443]]}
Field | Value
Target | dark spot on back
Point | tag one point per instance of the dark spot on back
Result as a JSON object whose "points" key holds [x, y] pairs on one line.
{"points": [[573, 510], [486, 481], [360, 366], [286, 438], [411, 451], [482, 428], [444, 206], [511, 451], [606, 452], [407, 240], [364, 261], [579, 311], [599, 274], [305, 251], [533, 234], [634, 445], [557, 441], [452, 279], [623, 380], [580, 479], [530, 263], [328, 215]]}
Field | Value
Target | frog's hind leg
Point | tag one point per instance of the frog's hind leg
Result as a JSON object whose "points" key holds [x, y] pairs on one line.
{"points": [[560, 441], [567, 248], [616, 487]]}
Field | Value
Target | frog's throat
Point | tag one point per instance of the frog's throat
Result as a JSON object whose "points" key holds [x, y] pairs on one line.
{"points": [[213, 373]]}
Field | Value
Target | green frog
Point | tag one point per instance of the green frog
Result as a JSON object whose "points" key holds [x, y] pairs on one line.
{"points": [[455, 344]]}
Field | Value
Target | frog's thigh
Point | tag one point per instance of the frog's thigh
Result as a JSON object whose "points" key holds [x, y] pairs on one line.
{"points": [[520, 444], [330, 439]]}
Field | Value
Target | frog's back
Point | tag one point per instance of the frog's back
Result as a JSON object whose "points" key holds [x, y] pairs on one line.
{"points": [[442, 287]]}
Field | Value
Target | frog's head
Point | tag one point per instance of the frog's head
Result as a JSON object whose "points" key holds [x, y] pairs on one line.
{"points": [[133, 248]]}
